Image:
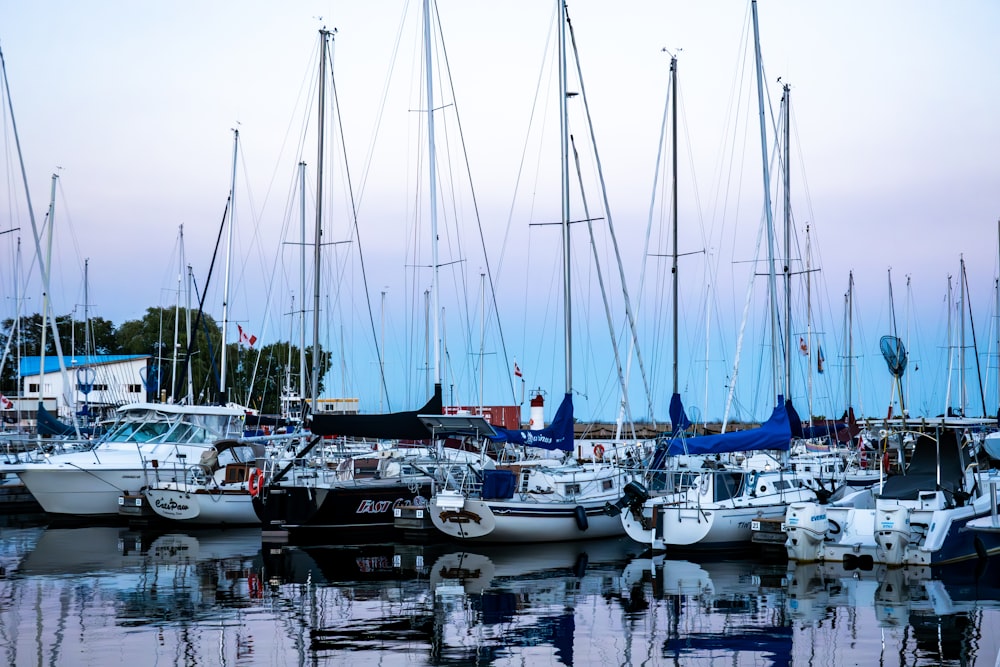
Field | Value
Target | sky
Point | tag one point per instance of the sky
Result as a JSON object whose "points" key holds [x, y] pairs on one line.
{"points": [[893, 166]]}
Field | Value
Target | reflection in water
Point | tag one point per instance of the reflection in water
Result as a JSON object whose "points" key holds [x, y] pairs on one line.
{"points": [[108, 595]]}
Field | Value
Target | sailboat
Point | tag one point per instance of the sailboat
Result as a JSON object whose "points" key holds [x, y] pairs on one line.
{"points": [[541, 499], [708, 492], [363, 471]]}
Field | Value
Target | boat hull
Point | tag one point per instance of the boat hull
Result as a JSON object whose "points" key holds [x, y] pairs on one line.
{"points": [[336, 512], [78, 491], [513, 521], [202, 507], [692, 528]]}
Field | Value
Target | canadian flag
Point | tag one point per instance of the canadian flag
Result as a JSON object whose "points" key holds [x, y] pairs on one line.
{"points": [[517, 370], [244, 338], [803, 346], [5, 403]]}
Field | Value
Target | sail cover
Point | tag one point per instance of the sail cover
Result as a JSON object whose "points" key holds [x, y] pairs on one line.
{"points": [[678, 416], [386, 426], [557, 435], [48, 425], [775, 433]]}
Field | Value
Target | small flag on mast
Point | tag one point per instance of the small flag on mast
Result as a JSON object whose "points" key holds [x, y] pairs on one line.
{"points": [[819, 359], [802, 346], [244, 338], [517, 371]]}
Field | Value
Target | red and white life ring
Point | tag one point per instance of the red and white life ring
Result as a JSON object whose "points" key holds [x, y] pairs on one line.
{"points": [[255, 483], [599, 452]]}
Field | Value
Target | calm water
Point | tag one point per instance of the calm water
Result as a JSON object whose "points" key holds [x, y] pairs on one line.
{"points": [[114, 596]]}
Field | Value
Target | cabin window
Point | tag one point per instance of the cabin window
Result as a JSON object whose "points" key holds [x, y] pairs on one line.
{"points": [[572, 489], [133, 388], [607, 484], [727, 485], [33, 388]]}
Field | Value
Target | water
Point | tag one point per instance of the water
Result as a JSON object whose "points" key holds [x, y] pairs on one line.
{"points": [[101, 595]]}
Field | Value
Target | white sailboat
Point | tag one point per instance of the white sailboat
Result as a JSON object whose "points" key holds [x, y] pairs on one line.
{"points": [[545, 499], [706, 493]]}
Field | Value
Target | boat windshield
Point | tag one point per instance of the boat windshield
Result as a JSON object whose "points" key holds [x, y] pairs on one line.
{"points": [[139, 431], [157, 427]]}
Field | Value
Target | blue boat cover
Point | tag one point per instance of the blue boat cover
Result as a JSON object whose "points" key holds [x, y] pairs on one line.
{"points": [[775, 433], [678, 417], [557, 435], [499, 484]]}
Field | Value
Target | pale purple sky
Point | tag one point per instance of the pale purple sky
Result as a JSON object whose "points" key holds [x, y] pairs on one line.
{"points": [[894, 166]]}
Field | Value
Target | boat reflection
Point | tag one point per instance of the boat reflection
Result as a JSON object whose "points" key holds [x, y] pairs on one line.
{"points": [[932, 615], [460, 604], [111, 593], [680, 611], [151, 576]]}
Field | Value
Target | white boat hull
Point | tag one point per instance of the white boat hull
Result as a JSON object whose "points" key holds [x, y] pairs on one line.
{"points": [[515, 521], [201, 507], [71, 490], [698, 528]]}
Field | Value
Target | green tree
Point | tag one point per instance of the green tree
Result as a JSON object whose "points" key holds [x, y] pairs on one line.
{"points": [[257, 377], [154, 335]]}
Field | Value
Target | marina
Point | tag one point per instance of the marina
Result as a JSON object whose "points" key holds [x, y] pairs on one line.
{"points": [[593, 414]]}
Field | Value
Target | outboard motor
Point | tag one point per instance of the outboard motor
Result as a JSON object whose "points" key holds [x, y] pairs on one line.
{"points": [[633, 496], [806, 525], [892, 533]]}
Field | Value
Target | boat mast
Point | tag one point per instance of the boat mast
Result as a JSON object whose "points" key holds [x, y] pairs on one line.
{"points": [[786, 102], [45, 297], [432, 182], [223, 393], [564, 154], [177, 316], [809, 330], [962, 397], [771, 278], [187, 325], [325, 36], [673, 265], [951, 352], [850, 338], [302, 291]]}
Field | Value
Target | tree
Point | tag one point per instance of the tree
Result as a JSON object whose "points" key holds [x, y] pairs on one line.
{"points": [[154, 335], [257, 377]]}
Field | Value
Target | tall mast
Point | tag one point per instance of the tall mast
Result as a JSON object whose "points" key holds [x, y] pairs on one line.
{"points": [[771, 278], [674, 267], [786, 102], [177, 315], [45, 295], [850, 338], [86, 307], [962, 397], [809, 339], [302, 290], [432, 183], [564, 154], [951, 353], [223, 393], [324, 35], [187, 324]]}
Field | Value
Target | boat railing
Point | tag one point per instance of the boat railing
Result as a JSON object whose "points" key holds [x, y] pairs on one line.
{"points": [[34, 450]]}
